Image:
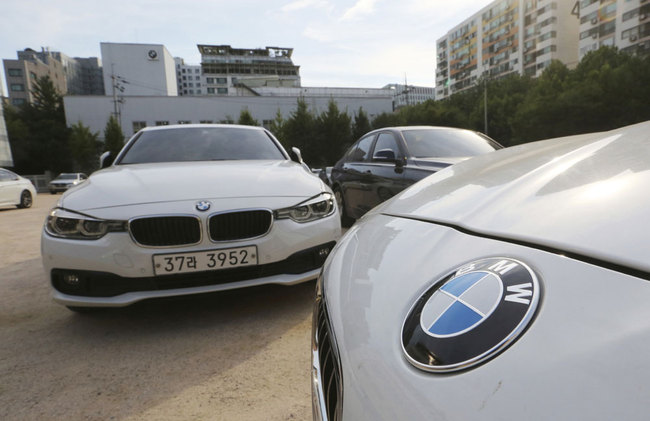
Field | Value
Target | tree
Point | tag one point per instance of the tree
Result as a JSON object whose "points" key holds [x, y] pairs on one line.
{"points": [[37, 132], [277, 127], [360, 125], [299, 128], [84, 147], [333, 135], [113, 136], [246, 119]]}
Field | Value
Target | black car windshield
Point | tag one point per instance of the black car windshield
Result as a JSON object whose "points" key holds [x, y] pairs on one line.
{"points": [[447, 143], [201, 144], [67, 177]]}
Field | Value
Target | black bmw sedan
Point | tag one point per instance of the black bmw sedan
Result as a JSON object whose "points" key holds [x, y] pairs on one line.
{"points": [[386, 161]]}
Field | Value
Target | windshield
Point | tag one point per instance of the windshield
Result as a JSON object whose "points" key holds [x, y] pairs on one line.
{"points": [[67, 177], [447, 143], [201, 144]]}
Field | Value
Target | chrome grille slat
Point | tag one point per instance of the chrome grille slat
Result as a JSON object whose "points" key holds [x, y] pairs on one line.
{"points": [[329, 368]]}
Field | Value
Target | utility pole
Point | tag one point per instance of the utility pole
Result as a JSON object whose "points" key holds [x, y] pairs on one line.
{"points": [[485, 107], [117, 86]]}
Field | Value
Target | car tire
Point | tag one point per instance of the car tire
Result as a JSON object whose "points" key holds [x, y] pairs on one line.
{"points": [[346, 220], [25, 199]]}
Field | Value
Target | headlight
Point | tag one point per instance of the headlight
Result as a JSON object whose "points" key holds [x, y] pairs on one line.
{"points": [[309, 210], [66, 224]]}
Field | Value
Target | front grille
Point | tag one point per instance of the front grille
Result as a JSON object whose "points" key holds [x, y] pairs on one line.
{"points": [[161, 231], [240, 225], [104, 284], [331, 385]]}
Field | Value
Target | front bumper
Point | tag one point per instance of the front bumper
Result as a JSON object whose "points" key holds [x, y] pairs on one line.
{"points": [[114, 271]]}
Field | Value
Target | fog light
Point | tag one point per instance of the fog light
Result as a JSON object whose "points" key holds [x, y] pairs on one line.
{"points": [[322, 253], [71, 279]]}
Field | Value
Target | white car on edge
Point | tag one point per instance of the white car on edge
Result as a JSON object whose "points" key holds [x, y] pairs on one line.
{"points": [[189, 209], [512, 286]]}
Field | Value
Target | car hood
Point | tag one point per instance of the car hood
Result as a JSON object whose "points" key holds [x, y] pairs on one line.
{"points": [[224, 180], [588, 195]]}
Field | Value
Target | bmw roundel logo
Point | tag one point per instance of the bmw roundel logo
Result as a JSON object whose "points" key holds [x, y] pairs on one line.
{"points": [[470, 315], [203, 205]]}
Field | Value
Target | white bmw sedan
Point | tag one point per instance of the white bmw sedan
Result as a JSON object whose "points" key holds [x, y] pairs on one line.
{"points": [[512, 286], [189, 209]]}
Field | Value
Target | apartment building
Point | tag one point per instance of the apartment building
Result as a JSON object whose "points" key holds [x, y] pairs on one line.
{"points": [[31, 65], [189, 78], [621, 23], [505, 37]]}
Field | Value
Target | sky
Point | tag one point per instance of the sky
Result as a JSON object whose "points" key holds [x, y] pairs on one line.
{"points": [[337, 43]]}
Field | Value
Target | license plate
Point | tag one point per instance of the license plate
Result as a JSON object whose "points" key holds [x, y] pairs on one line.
{"points": [[167, 264]]}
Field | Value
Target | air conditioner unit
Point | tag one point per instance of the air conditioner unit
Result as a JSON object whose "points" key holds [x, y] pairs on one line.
{"points": [[594, 21], [642, 17], [632, 37]]}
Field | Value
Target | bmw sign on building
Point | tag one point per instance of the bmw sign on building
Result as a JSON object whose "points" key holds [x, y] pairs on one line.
{"points": [[470, 315]]}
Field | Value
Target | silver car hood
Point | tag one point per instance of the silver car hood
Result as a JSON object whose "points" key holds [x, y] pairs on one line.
{"points": [[586, 194], [124, 185]]}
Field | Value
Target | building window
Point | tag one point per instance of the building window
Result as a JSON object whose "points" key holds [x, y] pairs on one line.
{"points": [[198, 92], [183, 70], [191, 85], [162, 123], [211, 90], [191, 91], [206, 121], [15, 72], [18, 101], [209, 80], [32, 75], [139, 125], [222, 80], [184, 122], [222, 90], [184, 77], [17, 87], [197, 70]]}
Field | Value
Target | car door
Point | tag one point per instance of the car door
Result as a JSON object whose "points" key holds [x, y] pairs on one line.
{"points": [[350, 175], [8, 193], [386, 169]]}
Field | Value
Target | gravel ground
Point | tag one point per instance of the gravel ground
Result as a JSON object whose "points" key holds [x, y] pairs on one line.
{"points": [[237, 355]]}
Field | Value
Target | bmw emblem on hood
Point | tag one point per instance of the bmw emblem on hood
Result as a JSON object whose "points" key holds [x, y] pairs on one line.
{"points": [[470, 315], [203, 205]]}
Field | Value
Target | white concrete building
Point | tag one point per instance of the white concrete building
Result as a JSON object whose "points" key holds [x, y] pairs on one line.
{"points": [[189, 78], [138, 70], [621, 23], [410, 94], [142, 111], [505, 37]]}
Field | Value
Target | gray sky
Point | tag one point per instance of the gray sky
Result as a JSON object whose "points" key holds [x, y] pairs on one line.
{"points": [[337, 43]]}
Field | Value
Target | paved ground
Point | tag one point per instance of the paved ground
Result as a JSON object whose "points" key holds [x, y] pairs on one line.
{"points": [[239, 355]]}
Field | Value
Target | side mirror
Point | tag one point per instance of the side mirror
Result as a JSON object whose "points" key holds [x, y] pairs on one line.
{"points": [[386, 155], [295, 155], [106, 159]]}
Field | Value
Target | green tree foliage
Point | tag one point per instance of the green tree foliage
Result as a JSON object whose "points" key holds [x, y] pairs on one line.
{"points": [[37, 132], [607, 89], [333, 135], [360, 125], [246, 119], [113, 136], [299, 129], [277, 127], [85, 148]]}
